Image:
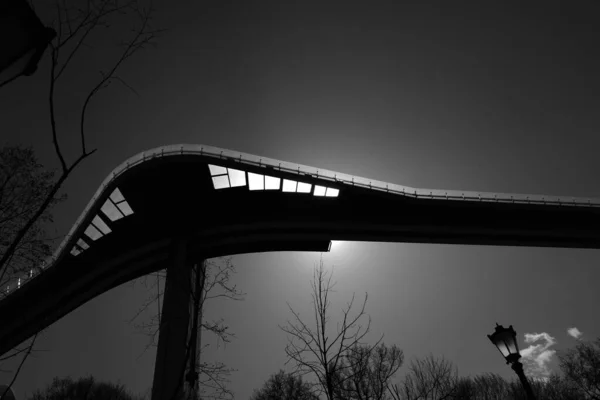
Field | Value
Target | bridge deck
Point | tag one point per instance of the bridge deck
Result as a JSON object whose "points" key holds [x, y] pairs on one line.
{"points": [[225, 202], [337, 177]]}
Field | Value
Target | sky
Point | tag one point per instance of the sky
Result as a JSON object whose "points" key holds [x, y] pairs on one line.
{"points": [[494, 97]]}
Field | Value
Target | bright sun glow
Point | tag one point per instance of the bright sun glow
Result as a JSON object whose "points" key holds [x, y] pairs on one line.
{"points": [[337, 245]]}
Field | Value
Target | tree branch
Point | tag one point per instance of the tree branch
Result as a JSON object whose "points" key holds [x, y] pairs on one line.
{"points": [[29, 349]]}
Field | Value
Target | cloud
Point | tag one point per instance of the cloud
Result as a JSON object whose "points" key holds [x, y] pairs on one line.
{"points": [[574, 332], [538, 355]]}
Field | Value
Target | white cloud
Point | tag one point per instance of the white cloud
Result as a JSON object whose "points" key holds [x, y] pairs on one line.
{"points": [[538, 355], [574, 332]]}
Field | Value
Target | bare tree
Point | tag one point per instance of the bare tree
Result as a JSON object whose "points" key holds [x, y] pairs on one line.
{"points": [[216, 282], [370, 371], [24, 186], [284, 386], [581, 366], [557, 388], [83, 388], [213, 376], [319, 350], [465, 389], [429, 378], [491, 386], [483, 387], [494, 387], [76, 24]]}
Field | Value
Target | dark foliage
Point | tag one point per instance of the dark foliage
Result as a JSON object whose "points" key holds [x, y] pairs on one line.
{"points": [[24, 186], [284, 386], [83, 389], [581, 366]]}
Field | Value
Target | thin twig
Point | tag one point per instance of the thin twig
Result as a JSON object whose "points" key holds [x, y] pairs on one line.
{"points": [[20, 366], [63, 164]]}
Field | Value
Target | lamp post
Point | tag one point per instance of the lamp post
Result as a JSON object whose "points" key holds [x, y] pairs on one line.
{"points": [[505, 339], [23, 40]]}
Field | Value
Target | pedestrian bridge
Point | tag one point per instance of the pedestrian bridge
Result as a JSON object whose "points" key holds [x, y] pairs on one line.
{"points": [[221, 202]]}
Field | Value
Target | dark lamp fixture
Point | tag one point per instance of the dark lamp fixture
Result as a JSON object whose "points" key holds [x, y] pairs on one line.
{"points": [[505, 339], [23, 40]]}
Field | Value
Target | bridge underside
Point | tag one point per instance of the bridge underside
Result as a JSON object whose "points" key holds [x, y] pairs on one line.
{"points": [[175, 198]]}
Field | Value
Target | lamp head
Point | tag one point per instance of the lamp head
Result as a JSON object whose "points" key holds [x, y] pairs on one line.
{"points": [[505, 339]]}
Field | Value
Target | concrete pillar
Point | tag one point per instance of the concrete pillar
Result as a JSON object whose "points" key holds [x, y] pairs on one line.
{"points": [[191, 378], [172, 353]]}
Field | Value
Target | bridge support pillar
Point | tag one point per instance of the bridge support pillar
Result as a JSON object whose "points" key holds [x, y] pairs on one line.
{"points": [[172, 354], [191, 377]]}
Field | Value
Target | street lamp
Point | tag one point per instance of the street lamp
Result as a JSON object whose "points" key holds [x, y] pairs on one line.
{"points": [[23, 40], [505, 339]]}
